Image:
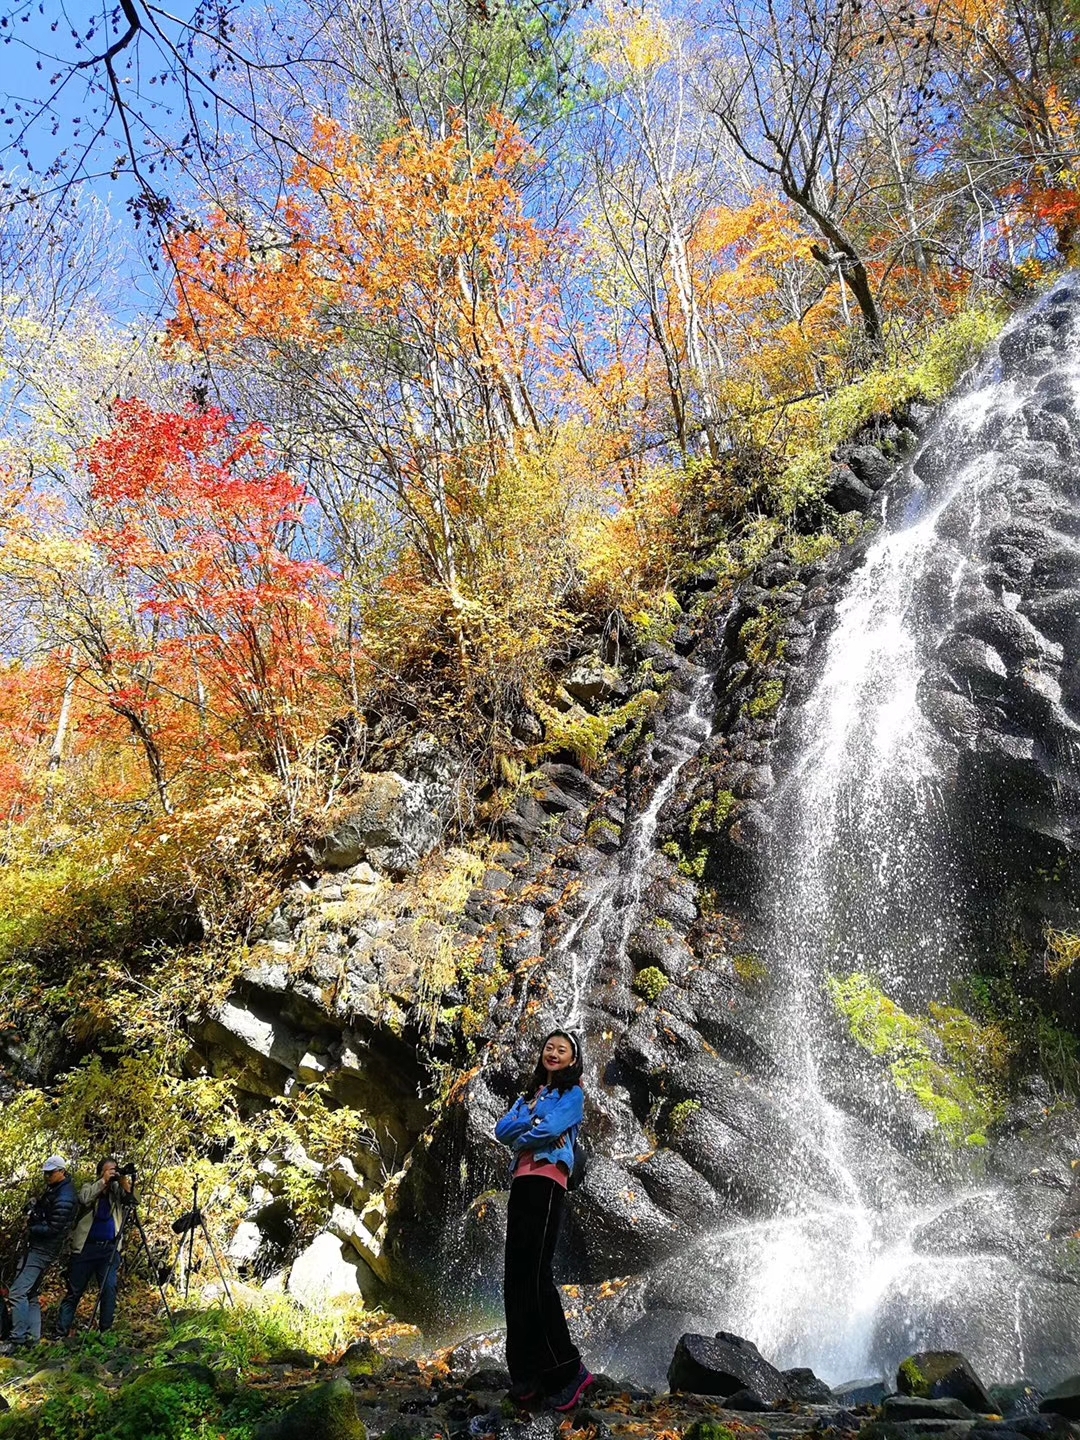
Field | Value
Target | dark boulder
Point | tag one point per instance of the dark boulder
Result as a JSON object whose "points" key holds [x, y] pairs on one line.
{"points": [[572, 781], [1063, 1399], [1012, 1401], [804, 1385], [846, 491], [746, 1399], [859, 1392], [724, 1365], [915, 1407], [942, 1374], [870, 465]]}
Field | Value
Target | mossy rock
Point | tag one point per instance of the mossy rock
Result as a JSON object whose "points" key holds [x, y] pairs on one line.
{"points": [[325, 1411], [362, 1359], [943, 1374], [290, 1355], [709, 1430], [180, 1373], [651, 983]]}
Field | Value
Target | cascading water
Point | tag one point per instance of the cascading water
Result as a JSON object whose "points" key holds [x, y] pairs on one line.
{"points": [[866, 873], [605, 924], [597, 938]]}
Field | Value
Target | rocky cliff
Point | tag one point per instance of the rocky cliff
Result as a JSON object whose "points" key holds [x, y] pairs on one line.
{"points": [[634, 902]]}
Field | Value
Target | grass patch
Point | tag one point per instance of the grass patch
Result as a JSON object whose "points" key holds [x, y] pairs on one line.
{"points": [[818, 426]]}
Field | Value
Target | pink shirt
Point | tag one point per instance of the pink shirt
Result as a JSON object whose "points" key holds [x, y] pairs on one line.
{"points": [[529, 1165]]}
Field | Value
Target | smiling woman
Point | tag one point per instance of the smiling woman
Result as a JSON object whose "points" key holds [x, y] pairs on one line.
{"points": [[540, 1129]]}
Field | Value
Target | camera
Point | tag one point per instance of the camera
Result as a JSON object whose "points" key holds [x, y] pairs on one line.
{"points": [[130, 1171]]}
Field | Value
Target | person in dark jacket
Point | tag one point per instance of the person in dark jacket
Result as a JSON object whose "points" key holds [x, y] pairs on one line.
{"points": [[540, 1129], [50, 1220]]}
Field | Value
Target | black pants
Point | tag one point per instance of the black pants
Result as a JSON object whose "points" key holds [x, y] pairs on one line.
{"points": [[538, 1345]]}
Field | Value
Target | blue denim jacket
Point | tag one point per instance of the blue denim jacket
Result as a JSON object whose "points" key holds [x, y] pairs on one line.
{"points": [[549, 1130]]}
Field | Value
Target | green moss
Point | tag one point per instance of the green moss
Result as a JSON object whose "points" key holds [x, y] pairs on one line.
{"points": [[681, 1113], [953, 1065], [651, 983], [750, 969], [692, 866], [601, 831], [766, 701], [760, 638], [914, 1381], [709, 1430], [711, 815]]}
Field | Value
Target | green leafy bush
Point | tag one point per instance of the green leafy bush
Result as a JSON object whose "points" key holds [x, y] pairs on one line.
{"points": [[766, 701], [818, 426]]}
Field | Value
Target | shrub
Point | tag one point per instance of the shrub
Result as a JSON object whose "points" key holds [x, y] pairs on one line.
{"points": [[1062, 952], [163, 1123], [587, 736], [651, 983], [818, 426]]}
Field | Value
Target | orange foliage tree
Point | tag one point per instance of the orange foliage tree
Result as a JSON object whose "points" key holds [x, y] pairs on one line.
{"points": [[203, 530], [403, 297]]}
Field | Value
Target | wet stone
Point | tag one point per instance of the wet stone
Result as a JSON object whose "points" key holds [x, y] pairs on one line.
{"points": [[914, 1407]]}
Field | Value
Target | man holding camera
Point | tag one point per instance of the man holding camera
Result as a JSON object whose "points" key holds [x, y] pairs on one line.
{"points": [[95, 1253], [50, 1216]]}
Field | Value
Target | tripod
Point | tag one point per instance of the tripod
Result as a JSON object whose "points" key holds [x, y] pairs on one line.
{"points": [[186, 1225], [129, 1223]]}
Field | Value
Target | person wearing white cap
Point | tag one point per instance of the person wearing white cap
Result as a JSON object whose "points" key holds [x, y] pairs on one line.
{"points": [[50, 1219]]}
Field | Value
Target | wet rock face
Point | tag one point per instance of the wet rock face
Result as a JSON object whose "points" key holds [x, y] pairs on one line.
{"points": [[1003, 687]]}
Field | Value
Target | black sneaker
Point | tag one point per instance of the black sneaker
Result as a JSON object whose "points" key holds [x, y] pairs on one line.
{"points": [[523, 1392], [570, 1395]]}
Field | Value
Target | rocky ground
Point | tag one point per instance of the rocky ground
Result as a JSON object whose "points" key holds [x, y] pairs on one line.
{"points": [[721, 1388]]}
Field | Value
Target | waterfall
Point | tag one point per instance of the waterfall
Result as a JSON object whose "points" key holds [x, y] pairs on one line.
{"points": [[941, 726], [596, 941], [866, 873], [605, 924]]}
